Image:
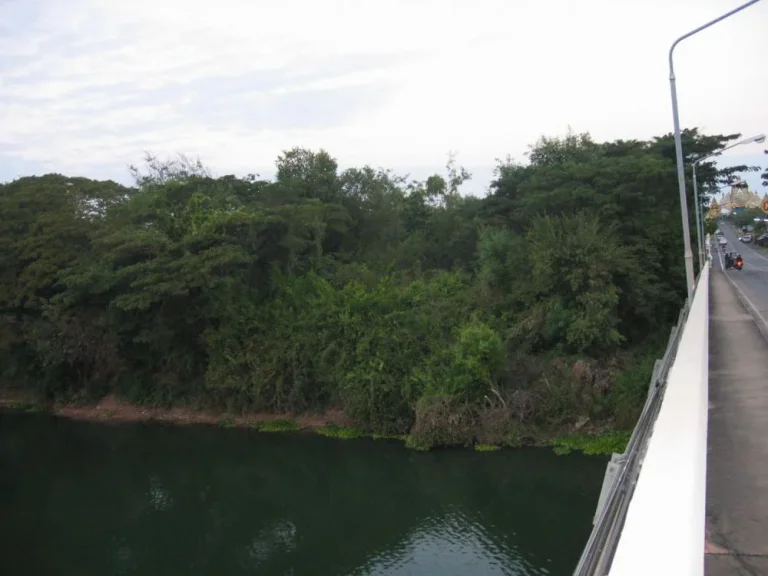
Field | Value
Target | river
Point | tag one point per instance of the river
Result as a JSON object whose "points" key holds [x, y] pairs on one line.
{"points": [[80, 498]]}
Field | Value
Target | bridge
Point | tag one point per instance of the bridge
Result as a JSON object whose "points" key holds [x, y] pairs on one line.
{"points": [[689, 496]]}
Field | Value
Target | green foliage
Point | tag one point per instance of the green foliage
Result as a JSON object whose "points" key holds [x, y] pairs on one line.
{"points": [[467, 369], [339, 432], [745, 217], [630, 387], [593, 445], [573, 296], [486, 448], [416, 443], [277, 426], [411, 308]]}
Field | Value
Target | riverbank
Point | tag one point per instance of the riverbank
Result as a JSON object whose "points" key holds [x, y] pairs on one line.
{"points": [[587, 437]]}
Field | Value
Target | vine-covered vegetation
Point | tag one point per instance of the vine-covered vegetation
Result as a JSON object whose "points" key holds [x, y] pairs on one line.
{"points": [[411, 308]]}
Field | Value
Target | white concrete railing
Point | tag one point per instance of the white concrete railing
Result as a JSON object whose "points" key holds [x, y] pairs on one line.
{"points": [[664, 531]]}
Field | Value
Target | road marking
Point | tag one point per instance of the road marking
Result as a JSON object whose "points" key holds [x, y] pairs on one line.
{"points": [[749, 249], [755, 267], [755, 252]]}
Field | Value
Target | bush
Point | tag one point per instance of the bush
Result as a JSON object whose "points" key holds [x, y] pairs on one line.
{"points": [[443, 421]]}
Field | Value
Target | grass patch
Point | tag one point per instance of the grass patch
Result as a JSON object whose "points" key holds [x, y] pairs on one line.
{"points": [[486, 448], [593, 444], [283, 425], [340, 432]]}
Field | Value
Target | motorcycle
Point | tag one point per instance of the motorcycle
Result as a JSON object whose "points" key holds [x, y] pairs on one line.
{"points": [[733, 261]]}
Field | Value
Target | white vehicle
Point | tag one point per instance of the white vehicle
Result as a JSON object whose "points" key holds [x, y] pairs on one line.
{"points": [[747, 238], [722, 241]]}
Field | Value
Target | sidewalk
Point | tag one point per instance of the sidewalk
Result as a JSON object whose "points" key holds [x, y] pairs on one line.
{"points": [[737, 442]]}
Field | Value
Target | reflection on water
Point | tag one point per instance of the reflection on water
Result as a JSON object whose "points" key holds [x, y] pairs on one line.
{"points": [[452, 544], [78, 498], [277, 539], [159, 498]]}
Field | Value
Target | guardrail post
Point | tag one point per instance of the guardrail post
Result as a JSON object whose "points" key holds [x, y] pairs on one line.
{"points": [[657, 366], [612, 470]]}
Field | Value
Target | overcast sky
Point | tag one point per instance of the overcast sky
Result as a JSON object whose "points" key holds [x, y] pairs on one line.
{"points": [[87, 85]]}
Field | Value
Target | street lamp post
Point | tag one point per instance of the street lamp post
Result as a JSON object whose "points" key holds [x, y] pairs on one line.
{"points": [[689, 277], [759, 139]]}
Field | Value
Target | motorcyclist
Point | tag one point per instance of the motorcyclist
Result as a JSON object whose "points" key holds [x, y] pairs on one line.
{"points": [[739, 261]]}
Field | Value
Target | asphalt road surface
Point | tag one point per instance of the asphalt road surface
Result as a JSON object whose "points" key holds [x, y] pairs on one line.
{"points": [[737, 450], [752, 280]]}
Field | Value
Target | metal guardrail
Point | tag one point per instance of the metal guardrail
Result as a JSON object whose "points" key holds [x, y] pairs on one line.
{"points": [[623, 469]]}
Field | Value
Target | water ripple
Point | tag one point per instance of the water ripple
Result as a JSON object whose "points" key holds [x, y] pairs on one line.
{"points": [[452, 543]]}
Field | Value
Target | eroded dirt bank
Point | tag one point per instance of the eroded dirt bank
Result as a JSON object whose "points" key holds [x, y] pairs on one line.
{"points": [[112, 409]]}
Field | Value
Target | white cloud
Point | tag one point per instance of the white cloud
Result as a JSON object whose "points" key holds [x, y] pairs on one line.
{"points": [[87, 84]]}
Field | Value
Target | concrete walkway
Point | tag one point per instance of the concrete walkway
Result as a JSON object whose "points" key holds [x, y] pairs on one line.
{"points": [[737, 443]]}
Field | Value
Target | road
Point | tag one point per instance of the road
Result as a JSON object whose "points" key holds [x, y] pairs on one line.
{"points": [[752, 280], [737, 451]]}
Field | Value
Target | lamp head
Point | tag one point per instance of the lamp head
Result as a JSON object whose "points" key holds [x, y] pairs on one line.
{"points": [[759, 139]]}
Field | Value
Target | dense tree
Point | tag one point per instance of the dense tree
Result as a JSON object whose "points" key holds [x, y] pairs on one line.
{"points": [[404, 303]]}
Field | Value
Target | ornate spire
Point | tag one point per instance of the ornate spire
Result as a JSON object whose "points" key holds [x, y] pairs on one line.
{"points": [[714, 210], [741, 197]]}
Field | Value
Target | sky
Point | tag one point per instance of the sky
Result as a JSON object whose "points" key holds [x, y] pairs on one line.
{"points": [[86, 86]]}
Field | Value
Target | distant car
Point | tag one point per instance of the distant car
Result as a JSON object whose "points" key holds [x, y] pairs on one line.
{"points": [[718, 232], [747, 238], [723, 241]]}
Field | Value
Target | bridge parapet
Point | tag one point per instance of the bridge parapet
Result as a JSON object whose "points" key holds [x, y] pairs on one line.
{"points": [[651, 512]]}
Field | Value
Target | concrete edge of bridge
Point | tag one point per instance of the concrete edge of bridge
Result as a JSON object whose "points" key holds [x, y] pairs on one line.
{"points": [[669, 496]]}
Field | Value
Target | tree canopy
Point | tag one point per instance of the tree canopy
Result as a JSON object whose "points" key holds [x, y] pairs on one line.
{"points": [[403, 303]]}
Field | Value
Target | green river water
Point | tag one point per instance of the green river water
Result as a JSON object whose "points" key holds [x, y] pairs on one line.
{"points": [[84, 499]]}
